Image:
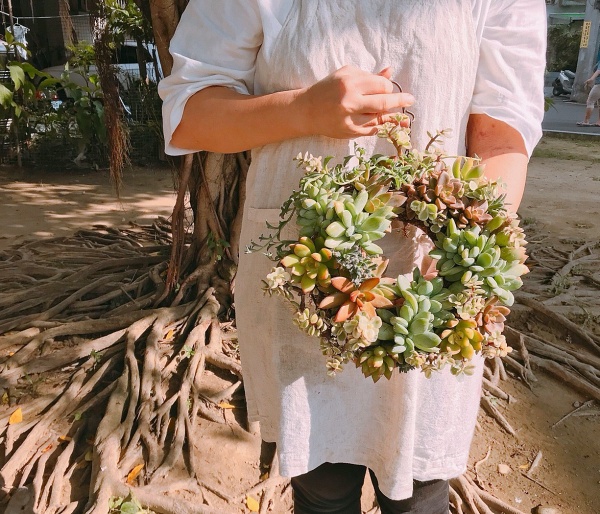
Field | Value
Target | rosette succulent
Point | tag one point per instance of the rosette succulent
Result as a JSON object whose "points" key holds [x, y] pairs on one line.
{"points": [[309, 265], [473, 253], [461, 338], [359, 221], [352, 299], [423, 310]]}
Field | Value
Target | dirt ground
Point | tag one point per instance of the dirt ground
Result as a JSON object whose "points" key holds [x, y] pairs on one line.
{"points": [[561, 201]]}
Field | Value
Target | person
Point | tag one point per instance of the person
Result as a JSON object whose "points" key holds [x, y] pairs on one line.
{"points": [[287, 76], [593, 98]]}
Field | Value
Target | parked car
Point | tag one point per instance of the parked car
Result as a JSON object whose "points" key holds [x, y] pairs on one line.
{"points": [[125, 61]]}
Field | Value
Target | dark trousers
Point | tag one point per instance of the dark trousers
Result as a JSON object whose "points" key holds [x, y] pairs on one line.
{"points": [[336, 489]]}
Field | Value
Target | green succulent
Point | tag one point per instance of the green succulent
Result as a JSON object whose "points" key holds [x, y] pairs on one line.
{"points": [[462, 338], [310, 322], [353, 225], [379, 361], [472, 254], [309, 265]]}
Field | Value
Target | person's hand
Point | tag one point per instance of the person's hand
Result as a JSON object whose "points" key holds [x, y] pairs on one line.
{"points": [[350, 103]]}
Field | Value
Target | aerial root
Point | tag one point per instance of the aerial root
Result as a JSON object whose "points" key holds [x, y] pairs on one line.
{"points": [[466, 497]]}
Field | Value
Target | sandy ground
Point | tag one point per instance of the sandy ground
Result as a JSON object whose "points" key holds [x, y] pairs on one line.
{"points": [[35, 203], [561, 200]]}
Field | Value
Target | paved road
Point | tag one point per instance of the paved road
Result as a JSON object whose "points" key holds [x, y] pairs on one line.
{"points": [[563, 117]]}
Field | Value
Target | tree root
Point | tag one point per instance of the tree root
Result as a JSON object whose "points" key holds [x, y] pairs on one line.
{"points": [[136, 390], [464, 492], [569, 326]]}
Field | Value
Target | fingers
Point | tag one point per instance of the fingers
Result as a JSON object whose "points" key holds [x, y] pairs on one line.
{"points": [[374, 84], [383, 103], [373, 120], [387, 72]]}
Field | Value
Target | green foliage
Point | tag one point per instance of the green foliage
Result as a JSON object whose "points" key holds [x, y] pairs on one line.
{"points": [[216, 246], [563, 47], [129, 505], [126, 20], [82, 115], [82, 57], [23, 98]]}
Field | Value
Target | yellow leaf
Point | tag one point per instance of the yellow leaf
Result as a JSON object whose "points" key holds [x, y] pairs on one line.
{"points": [[252, 504], [524, 466], [134, 473], [264, 476], [225, 405], [170, 334], [16, 417], [89, 455], [5, 398], [65, 438]]}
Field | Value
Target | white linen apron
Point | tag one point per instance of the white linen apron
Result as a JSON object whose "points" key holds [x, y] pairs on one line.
{"points": [[409, 427]]}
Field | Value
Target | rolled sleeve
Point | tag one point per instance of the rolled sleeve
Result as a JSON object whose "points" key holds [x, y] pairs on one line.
{"points": [[509, 85], [215, 44]]}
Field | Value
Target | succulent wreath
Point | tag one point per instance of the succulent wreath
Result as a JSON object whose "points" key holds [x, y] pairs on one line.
{"points": [[333, 274]]}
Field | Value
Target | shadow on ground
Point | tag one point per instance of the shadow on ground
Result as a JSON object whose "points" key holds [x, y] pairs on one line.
{"points": [[37, 203]]}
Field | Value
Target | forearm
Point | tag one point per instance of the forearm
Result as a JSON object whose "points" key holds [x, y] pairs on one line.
{"points": [[219, 119], [502, 150], [344, 105]]}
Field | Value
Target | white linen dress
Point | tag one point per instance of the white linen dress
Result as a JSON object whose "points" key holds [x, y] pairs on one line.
{"points": [[456, 57]]}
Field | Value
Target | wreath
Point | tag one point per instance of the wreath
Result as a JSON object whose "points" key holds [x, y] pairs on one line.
{"points": [[334, 273]]}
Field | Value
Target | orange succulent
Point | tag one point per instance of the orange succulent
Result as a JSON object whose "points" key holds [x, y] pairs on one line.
{"points": [[351, 299]]}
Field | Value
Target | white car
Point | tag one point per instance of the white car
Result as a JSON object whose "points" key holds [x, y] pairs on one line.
{"points": [[126, 63]]}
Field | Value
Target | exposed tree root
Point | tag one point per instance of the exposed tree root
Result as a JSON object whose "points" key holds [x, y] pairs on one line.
{"points": [[135, 391], [94, 311], [468, 498]]}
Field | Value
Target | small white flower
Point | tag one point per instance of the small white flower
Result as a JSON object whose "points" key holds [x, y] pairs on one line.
{"points": [[277, 278]]}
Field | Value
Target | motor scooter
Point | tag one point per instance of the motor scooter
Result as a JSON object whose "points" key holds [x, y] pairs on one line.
{"points": [[563, 84]]}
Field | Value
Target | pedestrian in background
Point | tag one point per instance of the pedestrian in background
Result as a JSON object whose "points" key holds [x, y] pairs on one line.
{"points": [[592, 99]]}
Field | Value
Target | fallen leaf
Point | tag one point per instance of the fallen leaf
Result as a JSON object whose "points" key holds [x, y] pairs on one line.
{"points": [[134, 473], [5, 399], [10, 354], [89, 455], [65, 438], [252, 504], [524, 466], [225, 405], [264, 476], [47, 449], [170, 334], [16, 417]]}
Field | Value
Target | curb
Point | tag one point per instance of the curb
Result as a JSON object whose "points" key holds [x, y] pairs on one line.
{"points": [[560, 134]]}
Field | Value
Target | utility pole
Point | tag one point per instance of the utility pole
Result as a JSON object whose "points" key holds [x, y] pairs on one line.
{"points": [[588, 51]]}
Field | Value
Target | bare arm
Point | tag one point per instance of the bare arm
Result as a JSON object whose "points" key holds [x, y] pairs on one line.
{"points": [[502, 149], [343, 105], [593, 77]]}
